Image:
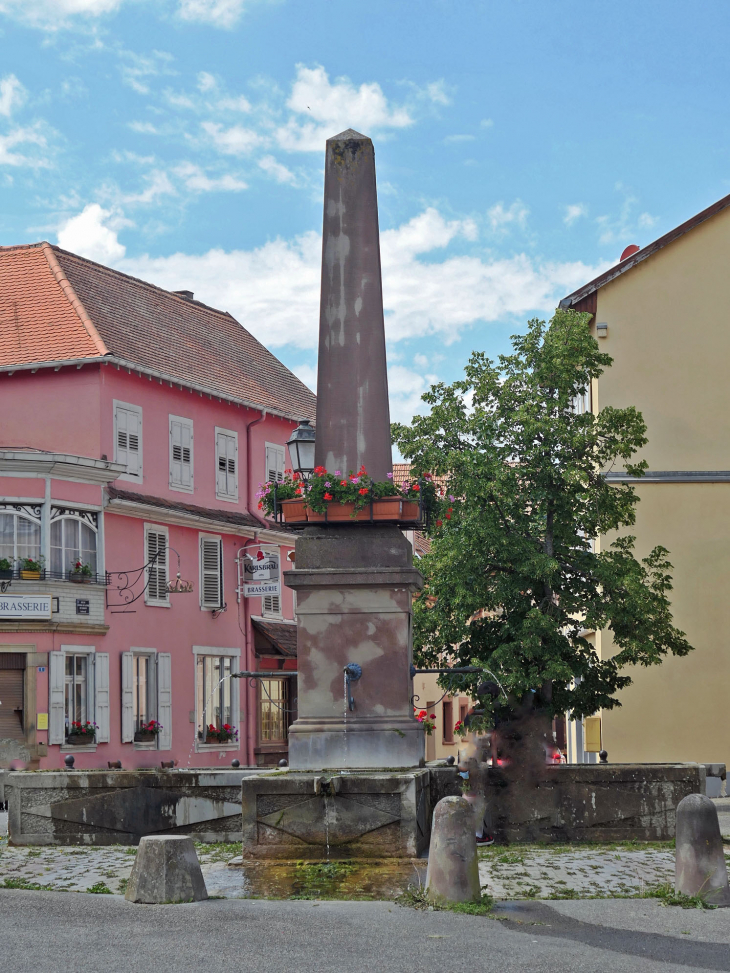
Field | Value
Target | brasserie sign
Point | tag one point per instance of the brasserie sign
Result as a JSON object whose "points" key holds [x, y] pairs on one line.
{"points": [[261, 574], [26, 606]]}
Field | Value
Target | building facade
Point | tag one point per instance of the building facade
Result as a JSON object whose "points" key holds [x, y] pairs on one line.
{"points": [[136, 425], [661, 314]]}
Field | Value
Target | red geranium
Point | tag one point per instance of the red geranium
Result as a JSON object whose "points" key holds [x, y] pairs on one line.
{"points": [[362, 491], [328, 496]]}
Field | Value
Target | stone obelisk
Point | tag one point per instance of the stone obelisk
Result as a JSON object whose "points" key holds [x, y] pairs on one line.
{"points": [[354, 583]]}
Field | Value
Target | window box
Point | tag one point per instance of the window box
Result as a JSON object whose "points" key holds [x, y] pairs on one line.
{"points": [[78, 577], [293, 511], [81, 739], [337, 512], [410, 510], [30, 575], [6, 574], [145, 736], [387, 508]]}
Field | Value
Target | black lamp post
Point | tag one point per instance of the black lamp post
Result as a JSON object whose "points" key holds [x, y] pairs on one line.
{"points": [[301, 449]]}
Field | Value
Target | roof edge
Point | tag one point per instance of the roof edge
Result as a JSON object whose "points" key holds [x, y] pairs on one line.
{"points": [[649, 250], [73, 299]]}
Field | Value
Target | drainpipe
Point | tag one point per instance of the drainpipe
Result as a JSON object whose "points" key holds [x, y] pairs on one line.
{"points": [[249, 485]]}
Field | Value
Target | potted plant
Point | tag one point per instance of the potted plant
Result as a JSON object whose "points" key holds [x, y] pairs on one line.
{"points": [[427, 722], [225, 734], [81, 734], [80, 573], [31, 568], [147, 732], [6, 569]]}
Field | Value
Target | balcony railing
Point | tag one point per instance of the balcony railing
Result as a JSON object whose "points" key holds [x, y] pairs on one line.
{"points": [[45, 574]]}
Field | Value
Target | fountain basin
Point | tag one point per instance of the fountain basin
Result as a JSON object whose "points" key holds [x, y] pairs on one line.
{"points": [[331, 816]]}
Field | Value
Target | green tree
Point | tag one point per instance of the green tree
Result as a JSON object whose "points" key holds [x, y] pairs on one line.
{"points": [[513, 578]]}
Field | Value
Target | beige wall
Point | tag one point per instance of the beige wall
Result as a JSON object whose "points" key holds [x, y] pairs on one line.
{"points": [[670, 339], [425, 686]]}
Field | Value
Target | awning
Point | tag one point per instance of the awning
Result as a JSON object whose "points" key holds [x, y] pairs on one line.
{"points": [[274, 638]]}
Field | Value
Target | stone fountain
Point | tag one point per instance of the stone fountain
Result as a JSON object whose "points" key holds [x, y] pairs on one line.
{"points": [[356, 784]]}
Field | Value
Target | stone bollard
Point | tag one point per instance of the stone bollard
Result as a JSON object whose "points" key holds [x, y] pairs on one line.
{"points": [[700, 861], [453, 872], [166, 869]]}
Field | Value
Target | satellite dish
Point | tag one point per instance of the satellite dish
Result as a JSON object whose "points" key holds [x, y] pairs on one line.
{"points": [[629, 252]]}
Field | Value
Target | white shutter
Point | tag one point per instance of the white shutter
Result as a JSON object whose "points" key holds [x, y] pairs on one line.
{"points": [[226, 454], [101, 695], [181, 454], [127, 697], [128, 438], [164, 700], [56, 693], [211, 580], [156, 547], [274, 462], [271, 605]]}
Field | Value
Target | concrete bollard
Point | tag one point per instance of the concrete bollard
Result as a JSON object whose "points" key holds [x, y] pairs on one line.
{"points": [[700, 861], [166, 869], [453, 872]]}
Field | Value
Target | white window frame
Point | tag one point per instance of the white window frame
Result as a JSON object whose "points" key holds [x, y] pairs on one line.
{"points": [[159, 529], [128, 407], [152, 692], [281, 452], [162, 695], [97, 695], [209, 606], [235, 654], [179, 486], [230, 495]]}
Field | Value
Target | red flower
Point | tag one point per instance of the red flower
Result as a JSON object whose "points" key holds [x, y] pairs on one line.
{"points": [[450, 510], [320, 470], [433, 716], [415, 487], [343, 482], [362, 491], [439, 523], [448, 516], [299, 491], [261, 506], [295, 476], [328, 496], [427, 476]]}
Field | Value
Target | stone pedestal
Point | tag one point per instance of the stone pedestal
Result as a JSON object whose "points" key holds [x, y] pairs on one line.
{"points": [[354, 589], [299, 816], [166, 870]]}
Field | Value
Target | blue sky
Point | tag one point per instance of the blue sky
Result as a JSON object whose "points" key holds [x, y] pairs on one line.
{"points": [[520, 147]]}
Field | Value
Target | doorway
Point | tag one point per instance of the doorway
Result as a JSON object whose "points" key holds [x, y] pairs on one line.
{"points": [[12, 696]]}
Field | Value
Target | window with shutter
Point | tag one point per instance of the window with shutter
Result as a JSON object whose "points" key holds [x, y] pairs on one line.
{"points": [[274, 462], [128, 439], [156, 559], [226, 476], [271, 605], [211, 573], [181, 454]]}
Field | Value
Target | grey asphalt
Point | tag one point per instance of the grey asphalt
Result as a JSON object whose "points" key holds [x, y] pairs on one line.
{"points": [[68, 932]]}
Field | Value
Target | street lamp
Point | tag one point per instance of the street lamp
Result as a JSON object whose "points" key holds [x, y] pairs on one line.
{"points": [[301, 449]]}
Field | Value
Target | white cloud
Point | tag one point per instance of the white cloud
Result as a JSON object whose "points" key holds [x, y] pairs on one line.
{"points": [[217, 13], [573, 212], [144, 128], [486, 123], [197, 180], [307, 374], [405, 388], [436, 91], [53, 14], [89, 235], [158, 184], [646, 221], [277, 170], [206, 81], [28, 136], [138, 68], [625, 227], [500, 218], [12, 95], [274, 290], [235, 140], [420, 360], [334, 107]]}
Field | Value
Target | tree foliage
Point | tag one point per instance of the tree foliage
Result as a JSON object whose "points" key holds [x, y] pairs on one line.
{"points": [[514, 580]]}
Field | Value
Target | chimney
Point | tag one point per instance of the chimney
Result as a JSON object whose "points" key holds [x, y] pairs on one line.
{"points": [[185, 295]]}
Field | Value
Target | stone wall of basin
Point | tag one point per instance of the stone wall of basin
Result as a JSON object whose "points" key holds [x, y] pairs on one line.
{"points": [[119, 807]]}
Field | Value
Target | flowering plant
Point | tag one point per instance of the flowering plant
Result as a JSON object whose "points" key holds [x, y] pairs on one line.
{"points": [[86, 729], [427, 722], [32, 564], [80, 568], [152, 727], [222, 735], [460, 728]]}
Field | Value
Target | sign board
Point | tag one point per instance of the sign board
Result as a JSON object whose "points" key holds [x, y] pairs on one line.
{"points": [[25, 606], [82, 606], [261, 574], [41, 721]]}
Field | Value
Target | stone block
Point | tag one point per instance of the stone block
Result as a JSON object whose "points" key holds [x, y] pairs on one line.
{"points": [[351, 815], [453, 873], [700, 860], [166, 869]]}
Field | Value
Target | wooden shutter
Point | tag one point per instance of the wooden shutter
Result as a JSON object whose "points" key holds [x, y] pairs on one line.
{"points": [[129, 439], [227, 465], [274, 463], [11, 704], [211, 575], [164, 700], [181, 453], [56, 691], [271, 605], [101, 695], [127, 697], [156, 544]]}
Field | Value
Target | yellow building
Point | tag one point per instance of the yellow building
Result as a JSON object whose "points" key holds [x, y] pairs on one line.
{"points": [[662, 314]]}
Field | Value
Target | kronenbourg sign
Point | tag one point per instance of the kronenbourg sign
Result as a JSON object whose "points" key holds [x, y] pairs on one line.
{"points": [[261, 574], [26, 606]]}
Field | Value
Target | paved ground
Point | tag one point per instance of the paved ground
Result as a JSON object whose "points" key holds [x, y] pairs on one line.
{"points": [[66, 932]]}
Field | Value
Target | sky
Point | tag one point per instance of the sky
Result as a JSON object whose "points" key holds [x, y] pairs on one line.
{"points": [[520, 145]]}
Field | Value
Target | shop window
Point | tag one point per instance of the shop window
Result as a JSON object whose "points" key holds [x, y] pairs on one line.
{"points": [[273, 706]]}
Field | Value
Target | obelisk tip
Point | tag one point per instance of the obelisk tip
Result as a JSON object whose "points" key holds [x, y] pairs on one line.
{"points": [[348, 136]]}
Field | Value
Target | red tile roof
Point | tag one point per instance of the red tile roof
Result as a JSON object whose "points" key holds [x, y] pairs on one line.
{"points": [[232, 517], [57, 306]]}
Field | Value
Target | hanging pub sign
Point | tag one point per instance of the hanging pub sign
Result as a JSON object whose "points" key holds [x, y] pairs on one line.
{"points": [[25, 606], [261, 574]]}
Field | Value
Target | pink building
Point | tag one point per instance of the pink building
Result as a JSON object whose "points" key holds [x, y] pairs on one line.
{"points": [[135, 427]]}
